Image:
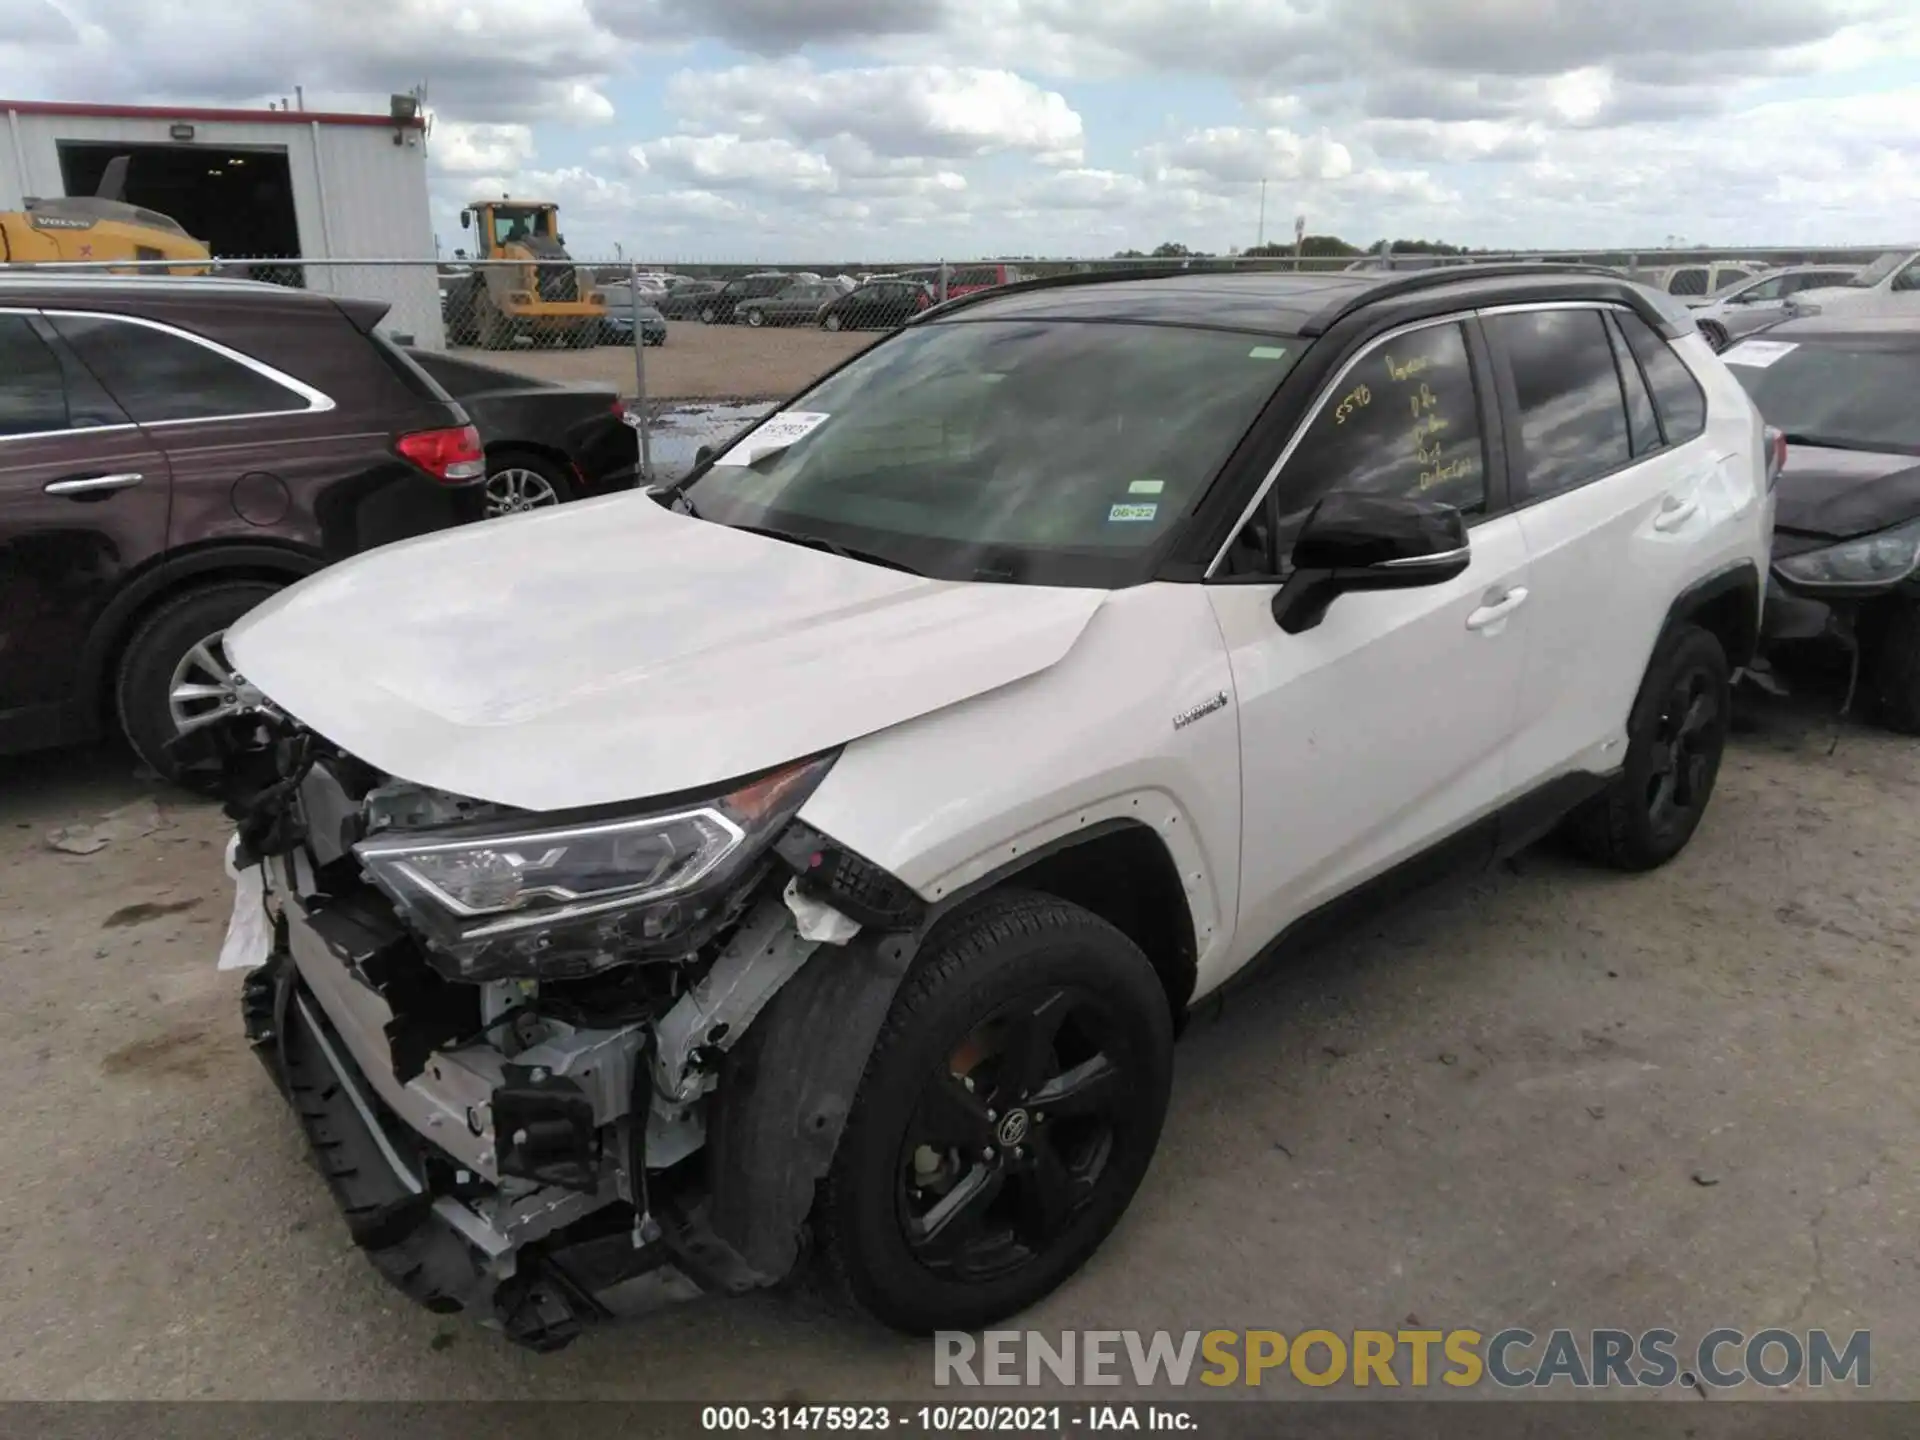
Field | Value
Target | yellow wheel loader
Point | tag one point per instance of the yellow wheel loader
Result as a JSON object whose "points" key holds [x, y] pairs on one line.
{"points": [[546, 297], [81, 228]]}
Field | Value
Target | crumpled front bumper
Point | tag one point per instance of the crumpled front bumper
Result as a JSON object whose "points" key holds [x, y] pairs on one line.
{"points": [[412, 1169]]}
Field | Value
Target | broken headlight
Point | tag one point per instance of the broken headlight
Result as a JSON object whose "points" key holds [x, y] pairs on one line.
{"points": [[555, 900], [1883, 559]]}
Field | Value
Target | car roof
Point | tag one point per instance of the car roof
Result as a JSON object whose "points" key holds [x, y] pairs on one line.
{"points": [[1292, 303], [78, 288]]}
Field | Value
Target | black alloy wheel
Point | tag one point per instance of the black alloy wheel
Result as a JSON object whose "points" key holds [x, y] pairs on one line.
{"points": [[1008, 1112], [1676, 735], [1685, 751], [1011, 1134]]}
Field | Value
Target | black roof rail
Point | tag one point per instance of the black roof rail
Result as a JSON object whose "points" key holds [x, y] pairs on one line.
{"points": [[1411, 282], [1051, 282]]}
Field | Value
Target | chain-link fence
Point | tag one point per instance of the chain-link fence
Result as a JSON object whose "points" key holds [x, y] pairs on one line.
{"points": [[682, 337]]}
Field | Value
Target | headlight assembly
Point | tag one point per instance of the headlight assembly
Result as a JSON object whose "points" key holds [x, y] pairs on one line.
{"points": [[556, 900], [1872, 560]]}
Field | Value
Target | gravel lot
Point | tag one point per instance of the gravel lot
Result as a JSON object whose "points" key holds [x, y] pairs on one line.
{"points": [[701, 362], [1552, 1097]]}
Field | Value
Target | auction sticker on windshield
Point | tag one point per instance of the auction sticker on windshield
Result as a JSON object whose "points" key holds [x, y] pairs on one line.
{"points": [[1759, 353], [778, 433]]}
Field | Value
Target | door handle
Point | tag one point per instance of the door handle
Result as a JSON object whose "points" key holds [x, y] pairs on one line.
{"points": [[93, 484], [1675, 512], [1496, 609]]}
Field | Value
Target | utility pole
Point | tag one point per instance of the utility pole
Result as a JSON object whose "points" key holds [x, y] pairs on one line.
{"points": [[1262, 240]]}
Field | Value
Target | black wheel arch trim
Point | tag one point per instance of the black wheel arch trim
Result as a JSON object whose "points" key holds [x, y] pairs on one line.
{"points": [[1177, 971], [1735, 625], [212, 562]]}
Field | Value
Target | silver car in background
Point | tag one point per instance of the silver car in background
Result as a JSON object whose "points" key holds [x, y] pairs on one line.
{"points": [[1762, 301], [1889, 286]]}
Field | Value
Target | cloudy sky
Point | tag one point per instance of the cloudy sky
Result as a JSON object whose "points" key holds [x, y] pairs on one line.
{"points": [[776, 129]]}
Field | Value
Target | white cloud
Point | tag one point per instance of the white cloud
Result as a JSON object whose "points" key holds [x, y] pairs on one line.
{"points": [[896, 110], [1031, 125], [718, 162], [460, 149], [1237, 155]]}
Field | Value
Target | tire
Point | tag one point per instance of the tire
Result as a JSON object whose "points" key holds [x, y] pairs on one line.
{"points": [[756, 318], [1018, 964], [1893, 673], [1716, 334], [1649, 811], [160, 649], [832, 322], [514, 483], [709, 315]]}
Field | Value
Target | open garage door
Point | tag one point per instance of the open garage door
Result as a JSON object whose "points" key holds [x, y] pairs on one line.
{"points": [[238, 200]]}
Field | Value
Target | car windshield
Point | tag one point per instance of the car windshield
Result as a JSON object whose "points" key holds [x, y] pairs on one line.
{"points": [[1044, 451], [1880, 269], [1852, 393]]}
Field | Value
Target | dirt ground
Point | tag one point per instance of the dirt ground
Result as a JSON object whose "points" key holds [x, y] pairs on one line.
{"points": [[1553, 1097], [701, 362]]}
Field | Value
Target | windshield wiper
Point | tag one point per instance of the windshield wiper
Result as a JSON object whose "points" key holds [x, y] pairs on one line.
{"points": [[832, 547]]}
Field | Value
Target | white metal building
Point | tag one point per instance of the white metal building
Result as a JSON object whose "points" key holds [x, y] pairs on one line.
{"points": [[254, 184]]}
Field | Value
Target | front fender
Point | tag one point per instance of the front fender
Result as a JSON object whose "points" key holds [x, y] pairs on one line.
{"points": [[953, 798]]}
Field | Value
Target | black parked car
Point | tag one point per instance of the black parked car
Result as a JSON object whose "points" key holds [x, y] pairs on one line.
{"points": [[877, 305], [545, 443], [685, 300], [720, 307], [799, 303], [1846, 547]]}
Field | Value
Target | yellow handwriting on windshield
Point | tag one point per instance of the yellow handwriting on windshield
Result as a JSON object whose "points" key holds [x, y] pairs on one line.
{"points": [[1407, 369]]}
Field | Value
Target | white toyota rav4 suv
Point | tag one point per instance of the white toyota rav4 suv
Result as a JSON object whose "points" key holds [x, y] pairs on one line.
{"points": [[815, 859]]}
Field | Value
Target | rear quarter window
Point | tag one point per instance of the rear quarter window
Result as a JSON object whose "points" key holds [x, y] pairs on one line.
{"points": [[1677, 397], [159, 375]]}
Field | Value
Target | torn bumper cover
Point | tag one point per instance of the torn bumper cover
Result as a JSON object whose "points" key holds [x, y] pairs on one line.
{"points": [[541, 1156]]}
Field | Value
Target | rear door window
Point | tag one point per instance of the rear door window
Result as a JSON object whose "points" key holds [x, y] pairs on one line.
{"points": [[1677, 396], [1573, 414], [159, 376], [1688, 282], [33, 392]]}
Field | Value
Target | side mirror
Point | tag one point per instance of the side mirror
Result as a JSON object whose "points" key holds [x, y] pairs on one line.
{"points": [[1368, 542], [702, 455]]}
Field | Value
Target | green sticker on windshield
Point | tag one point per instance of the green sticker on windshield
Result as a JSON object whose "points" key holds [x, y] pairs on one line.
{"points": [[1133, 512], [1146, 487], [1267, 352]]}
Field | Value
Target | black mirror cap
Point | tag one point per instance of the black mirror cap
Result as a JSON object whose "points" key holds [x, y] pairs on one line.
{"points": [[1369, 542], [702, 455], [1348, 531]]}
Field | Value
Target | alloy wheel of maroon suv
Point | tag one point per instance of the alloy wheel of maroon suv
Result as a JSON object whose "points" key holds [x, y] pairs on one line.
{"points": [[171, 453]]}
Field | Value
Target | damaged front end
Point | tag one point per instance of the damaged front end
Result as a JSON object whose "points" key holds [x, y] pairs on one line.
{"points": [[529, 1051]]}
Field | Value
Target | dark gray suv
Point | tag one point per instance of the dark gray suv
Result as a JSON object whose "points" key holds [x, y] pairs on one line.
{"points": [[172, 451]]}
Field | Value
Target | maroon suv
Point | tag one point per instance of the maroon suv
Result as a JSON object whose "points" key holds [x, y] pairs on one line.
{"points": [[171, 453]]}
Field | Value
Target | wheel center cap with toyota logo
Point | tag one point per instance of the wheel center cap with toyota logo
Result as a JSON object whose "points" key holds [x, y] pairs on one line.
{"points": [[1013, 1128]]}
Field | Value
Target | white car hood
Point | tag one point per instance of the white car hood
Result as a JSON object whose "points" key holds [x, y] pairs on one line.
{"points": [[612, 650]]}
